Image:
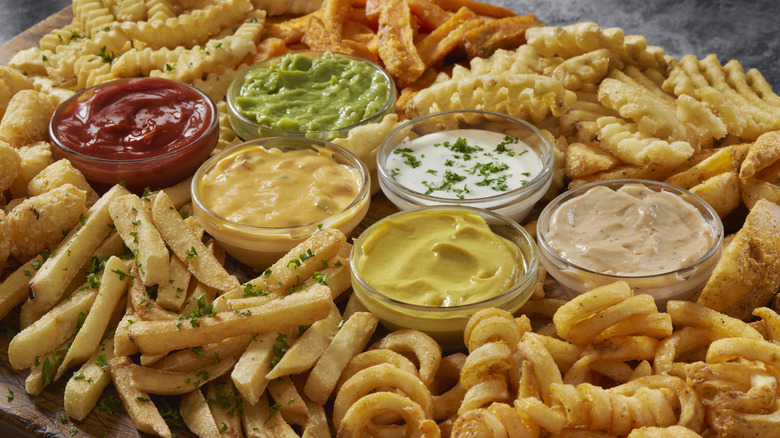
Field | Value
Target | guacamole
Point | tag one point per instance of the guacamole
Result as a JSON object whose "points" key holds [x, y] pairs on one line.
{"points": [[307, 94]]}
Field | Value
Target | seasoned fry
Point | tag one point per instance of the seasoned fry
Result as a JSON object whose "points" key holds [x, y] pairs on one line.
{"points": [[301, 308], [447, 37], [51, 330], [141, 409], [86, 386], [428, 14], [249, 374], [197, 416], [49, 283], [504, 33], [349, 341], [396, 48], [156, 381], [109, 294], [478, 7], [308, 348], [13, 290], [225, 404], [179, 237], [133, 222], [294, 410]]}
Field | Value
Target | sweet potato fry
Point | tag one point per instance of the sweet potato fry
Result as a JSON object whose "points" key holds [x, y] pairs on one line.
{"points": [[447, 37], [319, 37], [267, 48], [504, 33], [334, 13], [396, 48], [373, 8], [291, 31], [429, 15]]}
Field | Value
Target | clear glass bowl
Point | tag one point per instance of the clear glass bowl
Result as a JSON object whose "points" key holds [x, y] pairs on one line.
{"points": [[446, 324], [515, 203], [248, 129], [676, 284], [258, 246], [154, 172]]}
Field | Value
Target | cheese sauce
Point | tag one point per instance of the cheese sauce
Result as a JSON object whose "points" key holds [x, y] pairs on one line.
{"points": [[272, 188], [629, 231], [463, 164]]}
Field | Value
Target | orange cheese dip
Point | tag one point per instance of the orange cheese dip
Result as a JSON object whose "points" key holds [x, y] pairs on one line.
{"points": [[272, 188]]}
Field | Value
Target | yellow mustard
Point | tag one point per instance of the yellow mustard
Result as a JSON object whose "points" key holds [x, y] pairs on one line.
{"points": [[440, 258], [275, 188]]}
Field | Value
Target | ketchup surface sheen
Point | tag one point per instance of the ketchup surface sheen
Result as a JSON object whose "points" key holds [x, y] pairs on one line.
{"points": [[135, 119]]}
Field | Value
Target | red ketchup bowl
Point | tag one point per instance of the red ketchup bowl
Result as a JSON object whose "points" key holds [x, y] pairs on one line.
{"points": [[145, 132]]}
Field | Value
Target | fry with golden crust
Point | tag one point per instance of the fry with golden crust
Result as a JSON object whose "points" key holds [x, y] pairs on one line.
{"points": [[396, 43], [435, 46], [748, 274], [429, 14], [504, 33]]}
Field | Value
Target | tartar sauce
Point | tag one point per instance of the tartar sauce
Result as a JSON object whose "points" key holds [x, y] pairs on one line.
{"points": [[463, 164], [629, 231], [275, 188]]}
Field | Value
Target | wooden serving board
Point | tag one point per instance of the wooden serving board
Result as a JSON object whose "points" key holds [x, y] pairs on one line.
{"points": [[20, 414], [24, 416]]}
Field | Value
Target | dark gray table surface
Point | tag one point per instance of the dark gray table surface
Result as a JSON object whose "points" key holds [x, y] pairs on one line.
{"points": [[745, 30]]}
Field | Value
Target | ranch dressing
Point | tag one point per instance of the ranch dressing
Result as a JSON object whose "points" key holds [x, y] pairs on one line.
{"points": [[630, 231], [463, 164]]}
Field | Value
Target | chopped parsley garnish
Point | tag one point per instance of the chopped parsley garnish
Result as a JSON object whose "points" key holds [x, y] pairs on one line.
{"points": [[254, 291], [101, 362], [461, 166], [123, 274], [280, 347], [106, 57]]}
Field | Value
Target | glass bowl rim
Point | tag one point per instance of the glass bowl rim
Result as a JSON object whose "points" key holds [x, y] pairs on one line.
{"points": [[210, 130], [420, 199], [238, 82], [546, 251], [355, 163], [519, 288]]}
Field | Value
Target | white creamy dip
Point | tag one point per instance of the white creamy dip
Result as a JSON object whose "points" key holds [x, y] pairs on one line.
{"points": [[463, 164], [629, 231]]}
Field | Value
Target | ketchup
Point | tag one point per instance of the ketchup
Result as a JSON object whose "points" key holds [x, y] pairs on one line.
{"points": [[135, 119]]}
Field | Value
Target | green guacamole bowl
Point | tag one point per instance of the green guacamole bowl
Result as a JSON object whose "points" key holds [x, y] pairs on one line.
{"points": [[312, 94]]}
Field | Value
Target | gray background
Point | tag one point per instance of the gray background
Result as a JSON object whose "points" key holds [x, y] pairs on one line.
{"points": [[733, 29]]}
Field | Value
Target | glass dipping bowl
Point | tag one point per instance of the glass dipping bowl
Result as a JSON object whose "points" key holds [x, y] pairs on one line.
{"points": [[676, 284], [259, 246], [446, 324], [514, 203], [154, 172], [249, 129]]}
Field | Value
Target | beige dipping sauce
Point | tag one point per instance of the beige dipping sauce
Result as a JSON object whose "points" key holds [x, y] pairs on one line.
{"points": [[630, 231]]}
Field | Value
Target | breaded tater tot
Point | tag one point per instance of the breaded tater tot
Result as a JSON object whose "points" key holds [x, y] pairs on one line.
{"points": [[38, 223]]}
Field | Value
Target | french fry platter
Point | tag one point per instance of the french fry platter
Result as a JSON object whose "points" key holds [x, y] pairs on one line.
{"points": [[613, 105]]}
